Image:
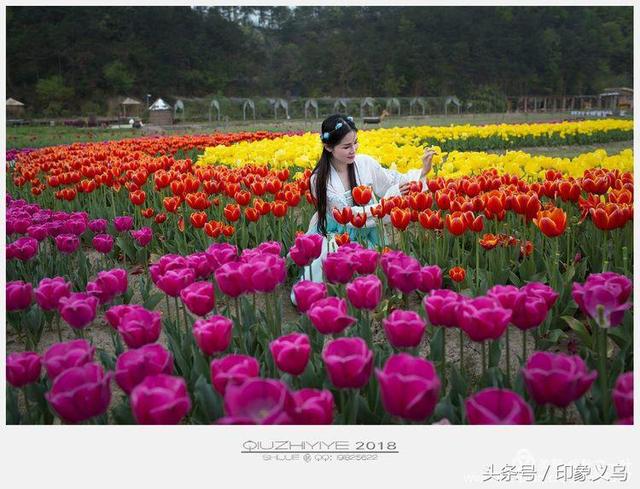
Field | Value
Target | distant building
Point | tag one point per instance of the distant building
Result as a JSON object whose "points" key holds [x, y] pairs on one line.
{"points": [[15, 109], [160, 113], [617, 99]]}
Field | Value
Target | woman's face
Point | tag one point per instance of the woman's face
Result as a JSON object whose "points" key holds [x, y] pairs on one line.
{"points": [[345, 150]]}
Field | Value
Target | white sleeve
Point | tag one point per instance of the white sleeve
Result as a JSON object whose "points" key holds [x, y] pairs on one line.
{"points": [[384, 178]]}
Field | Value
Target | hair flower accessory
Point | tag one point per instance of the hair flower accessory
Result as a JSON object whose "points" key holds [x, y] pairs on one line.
{"points": [[338, 125], [324, 135]]}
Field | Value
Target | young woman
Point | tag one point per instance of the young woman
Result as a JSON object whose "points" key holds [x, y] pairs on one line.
{"points": [[338, 172]]}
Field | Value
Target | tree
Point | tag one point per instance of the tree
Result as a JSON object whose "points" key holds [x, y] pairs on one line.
{"points": [[118, 78]]}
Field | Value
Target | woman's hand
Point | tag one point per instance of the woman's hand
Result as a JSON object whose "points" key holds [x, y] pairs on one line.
{"points": [[426, 161]]}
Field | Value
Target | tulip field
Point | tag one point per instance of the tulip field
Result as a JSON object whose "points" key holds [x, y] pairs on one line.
{"points": [[148, 281]]}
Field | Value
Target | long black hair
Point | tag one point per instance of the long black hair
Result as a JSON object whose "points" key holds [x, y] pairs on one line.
{"points": [[334, 128]]}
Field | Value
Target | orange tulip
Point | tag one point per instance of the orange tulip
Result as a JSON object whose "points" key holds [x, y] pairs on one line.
{"points": [[400, 218], [429, 219], [342, 239], [231, 212], [279, 208], [251, 214], [455, 223], [292, 198], [527, 205], [420, 201], [258, 188], [262, 207], [362, 194], [457, 274], [526, 249], [607, 216], [489, 241], [148, 212], [138, 197], [160, 217], [552, 223], [171, 204], [213, 228], [242, 197], [342, 216], [198, 219], [359, 219]]}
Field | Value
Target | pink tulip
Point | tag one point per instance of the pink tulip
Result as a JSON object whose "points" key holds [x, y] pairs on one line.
{"points": [[199, 263], [483, 318], [404, 274], [307, 293], [166, 263], [441, 307], [291, 352], [160, 400], [365, 261], [173, 281], [102, 243], [115, 313], [23, 368], [115, 281], [265, 273], [509, 296], [75, 226], [139, 327], [365, 292], [80, 393], [604, 297], [262, 401], [231, 279], [273, 247], [409, 387], [24, 249], [63, 356], [220, 253], [123, 223], [19, 295], [37, 232], [623, 395], [307, 247], [338, 268], [529, 313], [98, 225], [556, 378], [232, 369], [50, 291], [430, 278], [199, 297], [133, 366], [67, 243], [498, 407], [143, 236], [348, 362], [313, 406], [404, 329], [541, 290], [329, 316], [213, 335], [78, 309]]}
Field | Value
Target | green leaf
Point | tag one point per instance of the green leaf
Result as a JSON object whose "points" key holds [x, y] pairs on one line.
{"points": [[495, 351], [435, 346], [579, 328], [152, 301], [107, 359], [208, 401]]}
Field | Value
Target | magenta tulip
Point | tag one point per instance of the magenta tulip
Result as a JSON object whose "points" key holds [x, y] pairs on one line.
{"points": [[307, 247], [441, 307], [133, 366], [329, 316], [313, 406], [199, 263], [24, 249], [143, 236], [80, 393], [529, 313], [404, 273], [19, 295], [365, 261], [430, 278], [123, 223], [115, 281], [483, 318], [556, 378], [220, 253], [291, 352], [75, 226], [78, 309], [232, 369], [37, 232], [541, 290], [102, 243], [67, 243], [63, 356], [338, 268], [98, 225], [497, 407], [160, 400], [139, 327], [306, 293], [231, 279], [604, 297], [115, 313], [404, 329], [23, 368], [166, 263], [348, 362], [262, 401], [266, 272], [365, 292], [173, 281], [199, 297], [409, 387], [213, 335], [623, 395], [50, 291]]}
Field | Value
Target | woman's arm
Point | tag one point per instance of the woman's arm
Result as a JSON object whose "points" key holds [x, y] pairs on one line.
{"points": [[385, 178]]}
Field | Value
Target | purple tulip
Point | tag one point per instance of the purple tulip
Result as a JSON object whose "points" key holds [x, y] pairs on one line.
{"points": [[348, 362], [483, 318], [75, 226], [25, 248], [232, 369], [78, 309], [213, 335], [541, 290], [133, 366], [221, 253], [365, 261], [67, 243], [80, 393], [143, 236], [529, 313], [307, 293], [430, 278], [160, 400], [509, 296], [262, 401], [231, 279], [37, 232], [50, 291], [115, 313], [98, 225], [173, 281], [114, 281], [365, 292], [291, 352], [556, 378], [123, 223], [139, 327], [497, 407], [409, 387], [273, 247], [313, 406], [623, 395], [63, 356], [404, 329], [166, 263], [307, 247], [265, 273], [604, 297], [199, 297], [329, 316], [23, 368], [441, 307], [19, 295], [199, 263], [102, 243], [404, 274], [338, 268]]}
